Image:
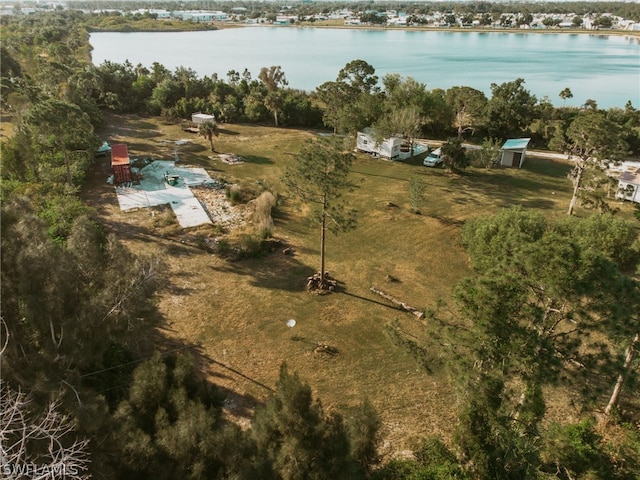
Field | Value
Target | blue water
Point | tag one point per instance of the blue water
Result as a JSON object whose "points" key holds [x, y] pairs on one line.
{"points": [[602, 68]]}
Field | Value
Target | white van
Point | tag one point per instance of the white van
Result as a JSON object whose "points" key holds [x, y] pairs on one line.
{"points": [[433, 159]]}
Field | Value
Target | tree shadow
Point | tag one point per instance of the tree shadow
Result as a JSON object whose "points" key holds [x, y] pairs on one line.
{"points": [[539, 203], [510, 189], [277, 271], [370, 300], [257, 160], [239, 404], [447, 221], [226, 131]]}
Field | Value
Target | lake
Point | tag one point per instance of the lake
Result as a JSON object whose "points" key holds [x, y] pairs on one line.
{"points": [[598, 67]]}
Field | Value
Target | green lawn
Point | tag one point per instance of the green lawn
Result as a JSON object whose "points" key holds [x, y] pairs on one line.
{"points": [[236, 312]]}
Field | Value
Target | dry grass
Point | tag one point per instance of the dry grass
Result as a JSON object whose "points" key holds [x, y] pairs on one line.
{"points": [[236, 312]]}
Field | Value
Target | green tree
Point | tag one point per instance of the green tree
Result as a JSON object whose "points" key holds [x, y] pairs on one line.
{"points": [[64, 127], [351, 100], [116, 86], [318, 176], [373, 18], [454, 156], [492, 444], [64, 301], [333, 96], [273, 80], [403, 108], [299, 440], [603, 21], [488, 154], [468, 105], [510, 110], [564, 94], [433, 461], [577, 451], [169, 427], [594, 142], [542, 291], [209, 130]]}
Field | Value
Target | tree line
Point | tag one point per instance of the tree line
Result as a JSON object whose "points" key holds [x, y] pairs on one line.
{"points": [[88, 390], [623, 9]]}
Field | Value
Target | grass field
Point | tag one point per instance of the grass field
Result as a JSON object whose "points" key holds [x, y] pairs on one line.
{"points": [[235, 313]]}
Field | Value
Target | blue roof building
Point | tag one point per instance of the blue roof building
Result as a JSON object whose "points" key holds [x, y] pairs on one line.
{"points": [[514, 152]]}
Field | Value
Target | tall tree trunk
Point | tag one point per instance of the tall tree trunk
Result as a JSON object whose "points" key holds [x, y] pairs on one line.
{"points": [[460, 119], [629, 356], [576, 189], [322, 237], [275, 116], [66, 164]]}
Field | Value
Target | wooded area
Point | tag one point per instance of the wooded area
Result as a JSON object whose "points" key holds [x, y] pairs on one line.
{"points": [[90, 388]]}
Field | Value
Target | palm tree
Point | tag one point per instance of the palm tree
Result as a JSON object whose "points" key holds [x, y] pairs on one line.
{"points": [[564, 94], [208, 130]]}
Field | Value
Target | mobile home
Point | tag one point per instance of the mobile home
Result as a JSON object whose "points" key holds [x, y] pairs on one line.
{"points": [[388, 148]]}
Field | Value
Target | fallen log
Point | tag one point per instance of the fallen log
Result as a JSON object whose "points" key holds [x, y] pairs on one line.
{"points": [[404, 306]]}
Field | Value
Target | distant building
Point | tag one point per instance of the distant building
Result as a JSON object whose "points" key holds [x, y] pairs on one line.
{"points": [[201, 15]]}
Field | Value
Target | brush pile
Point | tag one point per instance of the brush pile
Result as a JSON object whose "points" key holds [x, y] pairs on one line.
{"points": [[315, 283]]}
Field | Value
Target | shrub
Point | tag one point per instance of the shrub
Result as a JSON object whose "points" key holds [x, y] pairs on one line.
{"points": [[262, 218], [250, 246], [488, 156], [416, 193], [233, 193]]}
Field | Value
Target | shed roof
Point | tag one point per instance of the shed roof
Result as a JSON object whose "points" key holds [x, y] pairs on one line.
{"points": [[119, 154], [516, 144]]}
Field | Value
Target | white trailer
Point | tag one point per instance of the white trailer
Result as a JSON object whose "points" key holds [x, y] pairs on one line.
{"points": [[387, 148], [200, 118]]}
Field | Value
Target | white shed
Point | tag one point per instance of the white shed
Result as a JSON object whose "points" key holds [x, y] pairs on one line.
{"points": [[200, 118], [514, 152]]}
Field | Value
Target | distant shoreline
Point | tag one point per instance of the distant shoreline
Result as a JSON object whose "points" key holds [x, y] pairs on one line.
{"points": [[334, 25], [546, 31]]}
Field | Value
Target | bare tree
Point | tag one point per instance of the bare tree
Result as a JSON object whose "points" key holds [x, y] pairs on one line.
{"points": [[38, 447], [628, 361]]}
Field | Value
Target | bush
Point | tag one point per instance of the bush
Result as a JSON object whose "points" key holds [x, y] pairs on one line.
{"points": [[239, 193], [488, 156], [454, 156], [262, 214], [250, 246], [416, 193], [234, 194]]}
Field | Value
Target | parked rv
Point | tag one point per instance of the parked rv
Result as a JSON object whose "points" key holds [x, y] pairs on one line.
{"points": [[387, 148]]}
